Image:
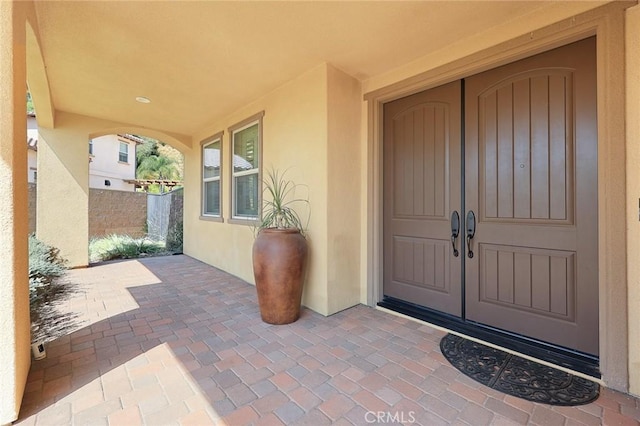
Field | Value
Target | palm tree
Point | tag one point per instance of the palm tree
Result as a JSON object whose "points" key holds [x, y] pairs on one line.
{"points": [[158, 167]]}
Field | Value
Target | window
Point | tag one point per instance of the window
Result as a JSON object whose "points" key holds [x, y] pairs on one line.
{"points": [[124, 152], [211, 175], [246, 138], [91, 147]]}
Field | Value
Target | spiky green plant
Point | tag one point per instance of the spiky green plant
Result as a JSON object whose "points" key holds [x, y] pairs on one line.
{"points": [[122, 247], [278, 206]]}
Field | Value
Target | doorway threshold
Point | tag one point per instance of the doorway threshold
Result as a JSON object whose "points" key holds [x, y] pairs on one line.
{"points": [[577, 363]]}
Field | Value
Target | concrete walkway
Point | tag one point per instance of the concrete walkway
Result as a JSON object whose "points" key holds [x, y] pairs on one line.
{"points": [[170, 340]]}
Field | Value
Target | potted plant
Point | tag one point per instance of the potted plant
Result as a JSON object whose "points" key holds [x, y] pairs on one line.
{"points": [[279, 252]]}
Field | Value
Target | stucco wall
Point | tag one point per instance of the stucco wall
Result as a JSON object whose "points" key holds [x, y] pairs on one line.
{"points": [[508, 30], [63, 166], [311, 129], [633, 192], [63, 174], [117, 212], [343, 198], [294, 139], [15, 355]]}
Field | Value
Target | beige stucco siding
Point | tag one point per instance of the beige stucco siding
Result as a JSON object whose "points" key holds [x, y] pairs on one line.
{"points": [[508, 30], [63, 179], [14, 283], [311, 129], [632, 41], [343, 198], [294, 139], [63, 174]]}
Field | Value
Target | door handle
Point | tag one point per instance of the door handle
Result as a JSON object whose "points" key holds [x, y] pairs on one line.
{"points": [[455, 231], [471, 231]]}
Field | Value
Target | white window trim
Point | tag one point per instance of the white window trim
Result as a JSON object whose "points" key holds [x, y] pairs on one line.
{"points": [[205, 143], [245, 172], [120, 152], [245, 124]]}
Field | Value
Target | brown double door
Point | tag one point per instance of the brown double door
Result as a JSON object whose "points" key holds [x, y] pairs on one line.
{"points": [[513, 153]]}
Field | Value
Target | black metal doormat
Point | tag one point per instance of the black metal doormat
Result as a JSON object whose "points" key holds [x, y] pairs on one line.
{"points": [[517, 376]]}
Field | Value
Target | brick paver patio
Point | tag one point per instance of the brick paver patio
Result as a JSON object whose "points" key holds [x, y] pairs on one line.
{"points": [[170, 340]]}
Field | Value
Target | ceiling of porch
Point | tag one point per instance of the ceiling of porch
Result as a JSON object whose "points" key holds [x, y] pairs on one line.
{"points": [[199, 61]]}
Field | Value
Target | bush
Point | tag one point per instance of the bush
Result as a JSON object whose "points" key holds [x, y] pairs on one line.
{"points": [[47, 288], [174, 238], [123, 247], [45, 263]]}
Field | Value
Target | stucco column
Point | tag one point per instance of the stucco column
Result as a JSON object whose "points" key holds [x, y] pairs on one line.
{"points": [[63, 189], [14, 283], [343, 192], [632, 62]]}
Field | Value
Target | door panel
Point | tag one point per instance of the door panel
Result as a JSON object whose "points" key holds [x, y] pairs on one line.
{"points": [[530, 177], [421, 189], [539, 281], [531, 153], [421, 262], [526, 126]]}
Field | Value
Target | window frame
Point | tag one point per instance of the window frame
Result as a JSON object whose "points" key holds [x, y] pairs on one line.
{"points": [[233, 130], [120, 153], [203, 144]]}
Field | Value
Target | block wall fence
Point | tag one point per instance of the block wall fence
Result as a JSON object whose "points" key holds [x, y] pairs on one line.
{"points": [[110, 212]]}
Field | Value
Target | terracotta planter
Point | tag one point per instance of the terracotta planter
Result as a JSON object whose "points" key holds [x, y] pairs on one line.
{"points": [[278, 265]]}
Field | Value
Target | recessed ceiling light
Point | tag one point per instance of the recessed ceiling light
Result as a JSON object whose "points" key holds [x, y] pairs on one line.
{"points": [[143, 100]]}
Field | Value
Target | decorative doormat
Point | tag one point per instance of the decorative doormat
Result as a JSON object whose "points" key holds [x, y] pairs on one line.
{"points": [[517, 376]]}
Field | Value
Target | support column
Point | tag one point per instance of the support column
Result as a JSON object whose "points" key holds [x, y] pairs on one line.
{"points": [[15, 338], [63, 188], [343, 192], [632, 63]]}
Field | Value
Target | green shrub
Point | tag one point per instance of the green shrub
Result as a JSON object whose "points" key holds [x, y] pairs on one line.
{"points": [[122, 247], [174, 238], [45, 266], [47, 287]]}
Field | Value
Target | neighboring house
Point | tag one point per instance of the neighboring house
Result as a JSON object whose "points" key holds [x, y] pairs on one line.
{"points": [[112, 159], [519, 117]]}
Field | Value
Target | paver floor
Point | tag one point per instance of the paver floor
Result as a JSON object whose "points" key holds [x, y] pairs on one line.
{"points": [[171, 340]]}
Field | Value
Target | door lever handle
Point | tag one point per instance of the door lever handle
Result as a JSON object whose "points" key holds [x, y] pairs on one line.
{"points": [[455, 231], [471, 231]]}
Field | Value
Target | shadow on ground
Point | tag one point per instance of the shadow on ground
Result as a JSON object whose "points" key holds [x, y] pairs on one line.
{"points": [[189, 347]]}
